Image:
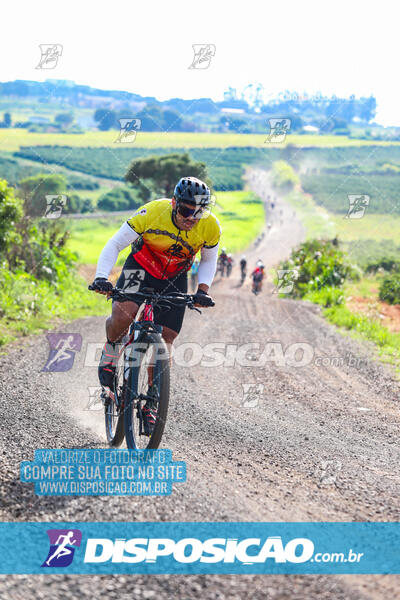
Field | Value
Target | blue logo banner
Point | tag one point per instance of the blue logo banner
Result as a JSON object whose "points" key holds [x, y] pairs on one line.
{"points": [[194, 548]]}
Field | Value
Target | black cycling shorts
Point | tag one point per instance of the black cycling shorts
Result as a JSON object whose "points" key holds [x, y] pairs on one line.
{"points": [[134, 278]]}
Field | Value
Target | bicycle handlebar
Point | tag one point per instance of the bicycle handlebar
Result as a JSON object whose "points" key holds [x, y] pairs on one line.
{"points": [[152, 296]]}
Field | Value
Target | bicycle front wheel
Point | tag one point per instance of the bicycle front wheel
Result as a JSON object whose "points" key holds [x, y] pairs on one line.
{"points": [[148, 386], [114, 407]]}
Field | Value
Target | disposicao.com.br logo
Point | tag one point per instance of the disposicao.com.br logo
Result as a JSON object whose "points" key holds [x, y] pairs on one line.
{"points": [[190, 550], [194, 550]]}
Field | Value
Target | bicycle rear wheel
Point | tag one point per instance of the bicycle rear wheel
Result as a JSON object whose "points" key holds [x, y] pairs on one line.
{"points": [[151, 369], [114, 408]]}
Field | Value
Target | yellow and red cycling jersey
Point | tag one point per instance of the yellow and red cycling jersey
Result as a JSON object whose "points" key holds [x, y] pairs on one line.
{"points": [[163, 250]]}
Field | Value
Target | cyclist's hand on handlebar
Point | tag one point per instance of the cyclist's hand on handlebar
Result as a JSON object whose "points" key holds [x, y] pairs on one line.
{"points": [[101, 286], [202, 299]]}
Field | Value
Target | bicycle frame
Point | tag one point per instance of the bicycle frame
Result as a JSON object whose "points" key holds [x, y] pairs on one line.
{"points": [[143, 333]]}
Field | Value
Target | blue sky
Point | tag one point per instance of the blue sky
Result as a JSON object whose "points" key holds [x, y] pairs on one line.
{"points": [[340, 47]]}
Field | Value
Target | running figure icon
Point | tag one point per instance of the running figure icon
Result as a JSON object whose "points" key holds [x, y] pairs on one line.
{"points": [[62, 549], [62, 351], [63, 544]]}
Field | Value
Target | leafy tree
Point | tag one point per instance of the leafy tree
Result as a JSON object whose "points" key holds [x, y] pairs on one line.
{"points": [[106, 118], [296, 123], [121, 198], [389, 289], [64, 119], [348, 109], [234, 123], [318, 264], [172, 120], [152, 118], [10, 213], [333, 107], [7, 119], [368, 109], [24, 244], [283, 175], [35, 189], [76, 204], [230, 94], [87, 206], [165, 171]]}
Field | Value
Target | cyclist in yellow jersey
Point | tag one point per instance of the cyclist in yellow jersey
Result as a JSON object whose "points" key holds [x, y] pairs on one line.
{"points": [[166, 249], [165, 236]]}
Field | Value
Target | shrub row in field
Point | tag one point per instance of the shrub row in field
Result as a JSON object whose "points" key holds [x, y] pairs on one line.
{"points": [[225, 165], [365, 158], [13, 171], [332, 191]]}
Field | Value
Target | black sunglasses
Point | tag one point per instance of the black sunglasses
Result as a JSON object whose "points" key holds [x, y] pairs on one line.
{"points": [[186, 211]]}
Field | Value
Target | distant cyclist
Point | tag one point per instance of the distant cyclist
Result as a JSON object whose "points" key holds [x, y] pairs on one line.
{"points": [[193, 273], [243, 268], [222, 261], [258, 276], [229, 265]]}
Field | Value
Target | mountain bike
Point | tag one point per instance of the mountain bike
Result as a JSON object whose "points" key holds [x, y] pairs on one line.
{"points": [[220, 268], [256, 289], [142, 374], [242, 275]]}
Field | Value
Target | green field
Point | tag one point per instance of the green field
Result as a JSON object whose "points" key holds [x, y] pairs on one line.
{"points": [[332, 190], [373, 226], [89, 236], [366, 240], [94, 195], [356, 159], [241, 215], [12, 139], [321, 223]]}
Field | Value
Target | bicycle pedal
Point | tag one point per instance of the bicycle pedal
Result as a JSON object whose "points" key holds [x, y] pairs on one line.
{"points": [[107, 396]]}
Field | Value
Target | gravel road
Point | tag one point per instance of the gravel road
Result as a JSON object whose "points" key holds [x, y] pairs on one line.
{"points": [[278, 442]]}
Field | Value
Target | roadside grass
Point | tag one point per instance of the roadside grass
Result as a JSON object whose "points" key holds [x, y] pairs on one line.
{"points": [[30, 306], [361, 328], [366, 287], [371, 226], [320, 223], [12, 139], [241, 215]]}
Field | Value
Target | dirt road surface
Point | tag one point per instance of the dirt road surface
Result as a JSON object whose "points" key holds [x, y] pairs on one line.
{"points": [[271, 442]]}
